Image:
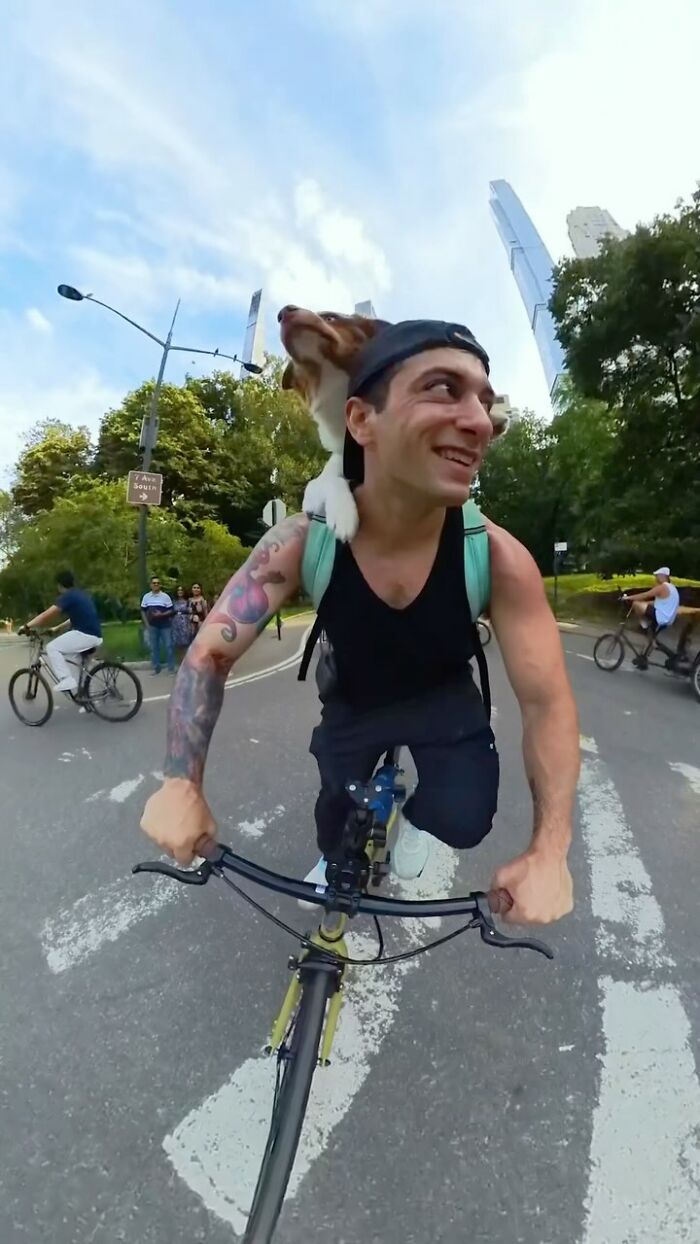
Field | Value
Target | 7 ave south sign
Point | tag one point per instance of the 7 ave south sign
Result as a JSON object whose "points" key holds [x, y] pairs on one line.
{"points": [[144, 488]]}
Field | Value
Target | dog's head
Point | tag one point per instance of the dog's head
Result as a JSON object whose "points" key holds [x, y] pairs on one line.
{"points": [[321, 349]]}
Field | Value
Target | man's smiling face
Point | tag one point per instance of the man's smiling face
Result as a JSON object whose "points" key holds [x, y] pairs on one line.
{"points": [[435, 426]]}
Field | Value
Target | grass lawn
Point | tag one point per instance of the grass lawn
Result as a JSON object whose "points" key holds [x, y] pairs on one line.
{"points": [[588, 596]]}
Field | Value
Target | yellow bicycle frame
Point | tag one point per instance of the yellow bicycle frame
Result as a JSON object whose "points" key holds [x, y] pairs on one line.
{"points": [[330, 937]]}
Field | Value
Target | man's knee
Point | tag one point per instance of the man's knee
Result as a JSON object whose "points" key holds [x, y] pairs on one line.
{"points": [[459, 822]]}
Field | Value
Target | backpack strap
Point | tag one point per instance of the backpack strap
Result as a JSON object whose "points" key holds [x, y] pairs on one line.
{"points": [[477, 575], [477, 561], [318, 558], [316, 571]]}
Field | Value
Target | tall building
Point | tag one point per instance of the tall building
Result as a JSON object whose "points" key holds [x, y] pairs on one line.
{"points": [[253, 342], [366, 309], [531, 265], [588, 226]]}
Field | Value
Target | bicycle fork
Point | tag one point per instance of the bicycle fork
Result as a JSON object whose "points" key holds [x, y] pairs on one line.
{"points": [[329, 938]]}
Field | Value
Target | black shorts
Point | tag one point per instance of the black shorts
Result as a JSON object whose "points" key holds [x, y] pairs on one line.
{"points": [[454, 751]]}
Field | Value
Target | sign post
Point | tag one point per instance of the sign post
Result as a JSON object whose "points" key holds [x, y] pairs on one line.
{"points": [[560, 547], [144, 488], [274, 512]]}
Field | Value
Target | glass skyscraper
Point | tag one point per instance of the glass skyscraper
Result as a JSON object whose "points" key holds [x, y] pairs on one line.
{"points": [[531, 265]]}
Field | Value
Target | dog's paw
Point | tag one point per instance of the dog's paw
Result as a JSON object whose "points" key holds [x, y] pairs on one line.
{"points": [[340, 509], [315, 497]]}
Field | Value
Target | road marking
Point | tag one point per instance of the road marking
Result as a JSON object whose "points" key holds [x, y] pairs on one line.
{"points": [[644, 1181], [688, 771], [588, 745], [582, 655], [645, 1154], [218, 1146], [256, 827], [288, 663], [119, 793], [83, 928]]}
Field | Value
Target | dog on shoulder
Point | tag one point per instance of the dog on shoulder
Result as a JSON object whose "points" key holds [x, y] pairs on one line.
{"points": [[321, 349]]}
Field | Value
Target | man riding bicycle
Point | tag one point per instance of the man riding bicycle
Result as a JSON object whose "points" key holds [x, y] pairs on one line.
{"points": [[658, 607], [84, 634], [396, 612]]}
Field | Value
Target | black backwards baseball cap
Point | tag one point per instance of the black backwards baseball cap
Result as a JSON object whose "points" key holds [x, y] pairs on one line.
{"points": [[394, 344]]}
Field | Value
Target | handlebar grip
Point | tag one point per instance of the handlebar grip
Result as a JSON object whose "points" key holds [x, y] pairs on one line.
{"points": [[500, 901]]}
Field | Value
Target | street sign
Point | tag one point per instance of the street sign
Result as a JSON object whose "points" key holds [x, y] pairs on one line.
{"points": [[561, 546], [144, 488], [274, 512]]}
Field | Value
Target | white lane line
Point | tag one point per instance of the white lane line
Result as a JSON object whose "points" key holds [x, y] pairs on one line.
{"points": [[258, 825], [645, 1153], [218, 1146], [644, 1181], [81, 929], [255, 677], [630, 924], [119, 793], [690, 772], [588, 745]]}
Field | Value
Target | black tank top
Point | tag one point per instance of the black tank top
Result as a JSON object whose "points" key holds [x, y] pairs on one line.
{"points": [[384, 654]]}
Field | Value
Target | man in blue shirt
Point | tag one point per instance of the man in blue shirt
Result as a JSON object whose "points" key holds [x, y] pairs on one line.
{"points": [[85, 630]]}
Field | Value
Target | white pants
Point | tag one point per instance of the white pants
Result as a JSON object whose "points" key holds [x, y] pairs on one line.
{"points": [[70, 642]]}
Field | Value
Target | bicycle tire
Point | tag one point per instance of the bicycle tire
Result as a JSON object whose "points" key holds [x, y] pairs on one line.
{"points": [[695, 677], [38, 677], [96, 702], [614, 647], [289, 1109]]}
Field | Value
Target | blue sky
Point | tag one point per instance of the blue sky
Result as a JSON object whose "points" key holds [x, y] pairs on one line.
{"points": [[328, 150]]}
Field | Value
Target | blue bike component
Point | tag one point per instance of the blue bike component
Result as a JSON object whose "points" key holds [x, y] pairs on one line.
{"points": [[379, 794]]}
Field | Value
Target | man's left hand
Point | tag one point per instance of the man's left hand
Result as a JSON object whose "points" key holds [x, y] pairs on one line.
{"points": [[539, 884]]}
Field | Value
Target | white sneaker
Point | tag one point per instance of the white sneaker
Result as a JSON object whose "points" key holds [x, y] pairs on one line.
{"points": [[66, 684], [409, 854], [316, 877]]}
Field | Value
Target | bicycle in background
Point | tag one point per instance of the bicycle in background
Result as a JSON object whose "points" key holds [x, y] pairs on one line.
{"points": [[109, 689], [609, 651]]}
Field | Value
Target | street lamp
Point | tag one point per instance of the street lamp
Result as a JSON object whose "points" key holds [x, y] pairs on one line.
{"points": [[149, 430]]}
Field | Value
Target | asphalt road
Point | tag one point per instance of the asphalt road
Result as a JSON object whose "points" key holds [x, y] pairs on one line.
{"points": [[476, 1095]]}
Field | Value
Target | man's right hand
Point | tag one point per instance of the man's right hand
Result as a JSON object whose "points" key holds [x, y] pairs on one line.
{"points": [[178, 818]]}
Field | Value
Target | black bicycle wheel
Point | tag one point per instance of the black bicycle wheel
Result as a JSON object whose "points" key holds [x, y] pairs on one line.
{"points": [[289, 1108], [114, 691], [609, 652], [695, 677], [31, 697], [484, 632]]}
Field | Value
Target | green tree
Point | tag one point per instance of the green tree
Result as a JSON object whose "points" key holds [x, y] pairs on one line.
{"points": [[55, 455], [518, 490], [629, 321], [11, 522]]}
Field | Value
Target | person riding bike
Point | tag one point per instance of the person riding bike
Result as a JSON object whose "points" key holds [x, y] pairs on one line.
{"points": [[396, 612], [659, 606], [85, 629]]}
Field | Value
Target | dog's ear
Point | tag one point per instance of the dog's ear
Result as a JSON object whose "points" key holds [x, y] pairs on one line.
{"points": [[288, 376]]}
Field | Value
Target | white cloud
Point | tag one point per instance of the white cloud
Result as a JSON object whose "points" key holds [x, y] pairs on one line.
{"points": [[37, 320]]}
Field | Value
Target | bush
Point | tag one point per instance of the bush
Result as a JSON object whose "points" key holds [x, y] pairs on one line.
{"points": [[629, 556]]}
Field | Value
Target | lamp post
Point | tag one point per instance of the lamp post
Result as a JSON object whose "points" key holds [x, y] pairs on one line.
{"points": [[149, 429]]}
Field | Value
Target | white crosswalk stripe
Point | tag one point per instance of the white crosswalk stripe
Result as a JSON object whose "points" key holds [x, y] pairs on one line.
{"points": [[645, 1152]]}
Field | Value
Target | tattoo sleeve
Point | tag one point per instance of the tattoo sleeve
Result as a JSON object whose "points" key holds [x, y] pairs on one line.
{"points": [[240, 614]]}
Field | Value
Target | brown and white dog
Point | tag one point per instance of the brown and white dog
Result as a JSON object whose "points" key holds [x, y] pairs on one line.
{"points": [[321, 349]]}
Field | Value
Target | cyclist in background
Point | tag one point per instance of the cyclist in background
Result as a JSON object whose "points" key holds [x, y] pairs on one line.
{"points": [[657, 607], [85, 630], [397, 614]]}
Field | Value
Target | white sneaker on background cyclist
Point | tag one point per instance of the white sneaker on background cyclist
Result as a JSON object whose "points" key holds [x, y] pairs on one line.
{"points": [[409, 855], [66, 684]]}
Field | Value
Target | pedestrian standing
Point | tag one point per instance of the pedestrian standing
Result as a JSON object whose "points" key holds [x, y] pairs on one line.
{"points": [[198, 607], [183, 630], [157, 613]]}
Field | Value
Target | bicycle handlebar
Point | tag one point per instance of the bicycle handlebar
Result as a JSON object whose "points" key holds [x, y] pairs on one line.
{"points": [[221, 859]]}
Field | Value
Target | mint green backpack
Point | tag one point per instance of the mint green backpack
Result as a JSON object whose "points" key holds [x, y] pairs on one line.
{"points": [[317, 567]]}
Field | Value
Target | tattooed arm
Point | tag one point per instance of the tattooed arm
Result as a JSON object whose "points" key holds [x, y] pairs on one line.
{"points": [[177, 816], [538, 881]]}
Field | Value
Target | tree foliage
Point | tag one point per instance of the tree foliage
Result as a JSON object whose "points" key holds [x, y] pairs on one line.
{"points": [[55, 455]]}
